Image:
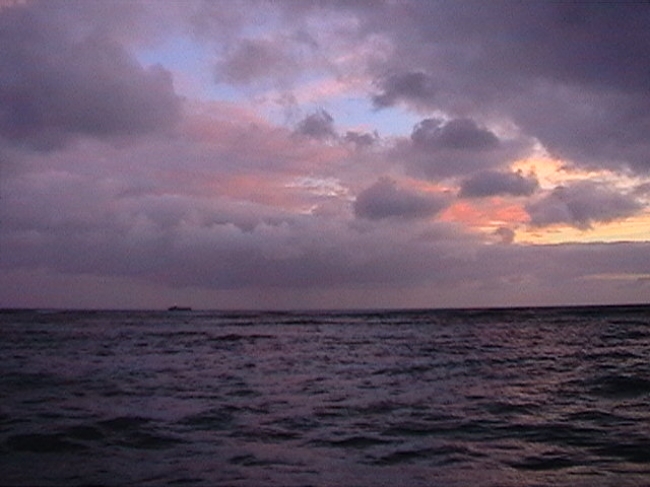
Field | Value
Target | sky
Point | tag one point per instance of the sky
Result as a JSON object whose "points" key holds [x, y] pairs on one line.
{"points": [[303, 154]]}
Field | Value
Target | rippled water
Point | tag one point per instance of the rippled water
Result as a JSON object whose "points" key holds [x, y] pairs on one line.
{"points": [[524, 397]]}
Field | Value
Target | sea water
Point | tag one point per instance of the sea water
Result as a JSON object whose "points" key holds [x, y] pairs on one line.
{"points": [[518, 397]]}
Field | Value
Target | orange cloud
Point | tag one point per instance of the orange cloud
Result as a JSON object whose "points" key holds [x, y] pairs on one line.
{"points": [[491, 213]]}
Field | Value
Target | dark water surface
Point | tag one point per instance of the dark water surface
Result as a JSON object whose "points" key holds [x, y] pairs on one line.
{"points": [[524, 397]]}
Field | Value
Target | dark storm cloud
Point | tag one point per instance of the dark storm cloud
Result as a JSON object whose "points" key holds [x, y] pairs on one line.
{"points": [[439, 148], [54, 85], [580, 205], [572, 74], [492, 183], [385, 199], [318, 125]]}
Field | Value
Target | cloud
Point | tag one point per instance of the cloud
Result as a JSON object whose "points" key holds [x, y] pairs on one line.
{"points": [[142, 224], [53, 86], [183, 240], [223, 139], [458, 134], [244, 203], [318, 125], [294, 257], [360, 139], [254, 60], [439, 148], [507, 235], [386, 199], [580, 205], [587, 129], [571, 74], [642, 189], [414, 85], [493, 183]]}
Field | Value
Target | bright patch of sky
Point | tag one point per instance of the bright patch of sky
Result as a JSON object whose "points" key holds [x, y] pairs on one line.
{"points": [[358, 114], [192, 67], [350, 113], [633, 229], [320, 186]]}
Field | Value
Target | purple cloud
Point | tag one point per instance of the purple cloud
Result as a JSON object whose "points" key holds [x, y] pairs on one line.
{"points": [[458, 134], [254, 60], [53, 85], [318, 125], [292, 261], [214, 196], [493, 183], [439, 148], [385, 199], [573, 75], [360, 139], [580, 205], [414, 85]]}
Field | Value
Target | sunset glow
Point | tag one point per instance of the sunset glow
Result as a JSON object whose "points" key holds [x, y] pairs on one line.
{"points": [[323, 154]]}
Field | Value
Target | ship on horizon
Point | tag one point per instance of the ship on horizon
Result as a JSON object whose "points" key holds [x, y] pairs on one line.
{"points": [[179, 308]]}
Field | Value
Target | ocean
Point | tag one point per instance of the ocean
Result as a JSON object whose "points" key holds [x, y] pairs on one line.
{"points": [[484, 397]]}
